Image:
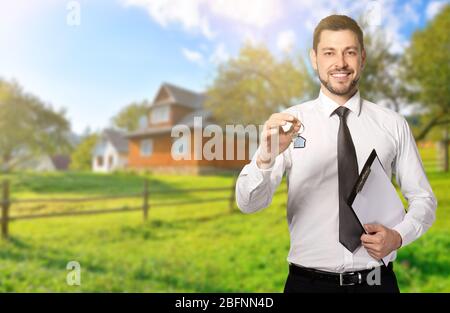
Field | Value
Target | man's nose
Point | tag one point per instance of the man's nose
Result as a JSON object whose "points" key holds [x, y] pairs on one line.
{"points": [[341, 62]]}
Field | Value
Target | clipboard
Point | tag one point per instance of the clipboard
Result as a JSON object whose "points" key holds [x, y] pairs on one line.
{"points": [[374, 199]]}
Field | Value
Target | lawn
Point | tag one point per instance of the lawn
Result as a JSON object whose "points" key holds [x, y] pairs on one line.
{"points": [[200, 247]]}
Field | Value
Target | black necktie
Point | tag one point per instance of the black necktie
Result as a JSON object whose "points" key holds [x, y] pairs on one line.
{"points": [[350, 229]]}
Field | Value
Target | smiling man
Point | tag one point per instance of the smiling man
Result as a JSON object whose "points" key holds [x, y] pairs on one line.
{"points": [[322, 145]]}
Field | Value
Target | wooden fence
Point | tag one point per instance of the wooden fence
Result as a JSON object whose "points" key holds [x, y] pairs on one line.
{"points": [[7, 202]]}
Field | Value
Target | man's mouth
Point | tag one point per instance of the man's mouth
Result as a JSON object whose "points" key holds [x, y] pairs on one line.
{"points": [[341, 75]]}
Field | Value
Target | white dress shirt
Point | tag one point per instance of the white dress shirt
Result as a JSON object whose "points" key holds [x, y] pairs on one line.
{"points": [[312, 180]]}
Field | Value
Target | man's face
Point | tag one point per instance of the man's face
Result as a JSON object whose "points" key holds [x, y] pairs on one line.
{"points": [[338, 61]]}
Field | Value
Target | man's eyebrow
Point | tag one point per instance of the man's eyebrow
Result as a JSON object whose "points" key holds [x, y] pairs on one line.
{"points": [[333, 49]]}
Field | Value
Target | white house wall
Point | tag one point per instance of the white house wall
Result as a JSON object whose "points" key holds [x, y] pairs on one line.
{"points": [[119, 162]]}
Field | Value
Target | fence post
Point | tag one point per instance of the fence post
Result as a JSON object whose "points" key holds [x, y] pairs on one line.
{"points": [[233, 194], [145, 205], [5, 209]]}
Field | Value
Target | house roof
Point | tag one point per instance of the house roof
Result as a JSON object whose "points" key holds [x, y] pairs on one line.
{"points": [[61, 161], [149, 131], [117, 139], [182, 96], [187, 120]]}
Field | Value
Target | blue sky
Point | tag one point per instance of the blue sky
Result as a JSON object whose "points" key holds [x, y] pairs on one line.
{"points": [[122, 50]]}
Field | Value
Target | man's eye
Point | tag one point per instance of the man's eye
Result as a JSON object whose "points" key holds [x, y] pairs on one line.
{"points": [[352, 52], [328, 53]]}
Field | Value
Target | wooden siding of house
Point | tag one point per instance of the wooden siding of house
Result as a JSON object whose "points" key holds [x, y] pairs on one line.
{"points": [[161, 155], [234, 163]]}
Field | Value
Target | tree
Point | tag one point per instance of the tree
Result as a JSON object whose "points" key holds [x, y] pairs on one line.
{"points": [[129, 117], [380, 80], [249, 88], [426, 67], [81, 158], [28, 127]]}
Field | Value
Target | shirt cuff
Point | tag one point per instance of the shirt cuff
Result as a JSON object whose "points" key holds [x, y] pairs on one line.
{"points": [[262, 172], [407, 231]]}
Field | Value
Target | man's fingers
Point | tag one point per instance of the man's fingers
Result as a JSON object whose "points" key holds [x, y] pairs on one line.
{"points": [[370, 238], [275, 124], [286, 125], [373, 252], [372, 246], [279, 120], [291, 127], [373, 228], [370, 251], [295, 126], [374, 255], [285, 116]]}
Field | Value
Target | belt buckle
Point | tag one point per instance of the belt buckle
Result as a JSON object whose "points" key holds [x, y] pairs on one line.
{"points": [[341, 279]]}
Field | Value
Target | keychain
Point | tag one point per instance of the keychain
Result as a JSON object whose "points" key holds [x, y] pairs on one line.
{"points": [[299, 141]]}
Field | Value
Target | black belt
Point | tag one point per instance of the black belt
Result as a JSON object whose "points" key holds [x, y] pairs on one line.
{"points": [[342, 279]]}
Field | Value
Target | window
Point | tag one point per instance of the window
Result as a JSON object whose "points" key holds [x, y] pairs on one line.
{"points": [[143, 122], [110, 161], [146, 147], [159, 114], [100, 161]]}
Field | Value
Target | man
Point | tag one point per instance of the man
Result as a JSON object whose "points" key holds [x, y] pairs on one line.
{"points": [[333, 136]]}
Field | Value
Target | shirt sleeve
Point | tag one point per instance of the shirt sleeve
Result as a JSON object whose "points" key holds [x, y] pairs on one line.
{"points": [[414, 185], [255, 186]]}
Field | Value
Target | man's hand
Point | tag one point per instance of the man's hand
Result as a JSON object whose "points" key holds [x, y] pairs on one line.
{"points": [[274, 140], [380, 241]]}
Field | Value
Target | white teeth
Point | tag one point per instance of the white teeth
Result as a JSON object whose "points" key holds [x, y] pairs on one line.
{"points": [[339, 75]]}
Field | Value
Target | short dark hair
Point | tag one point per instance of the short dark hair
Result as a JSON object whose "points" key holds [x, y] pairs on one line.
{"points": [[337, 22]]}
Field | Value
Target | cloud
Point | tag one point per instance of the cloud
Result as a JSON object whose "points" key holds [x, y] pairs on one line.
{"points": [[286, 41], [257, 14], [219, 54], [433, 8], [391, 25], [411, 13], [186, 13], [384, 15], [193, 56], [264, 20], [197, 15]]}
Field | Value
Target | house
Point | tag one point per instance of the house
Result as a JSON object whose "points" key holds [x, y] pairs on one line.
{"points": [[45, 163], [153, 147], [110, 152], [61, 162]]}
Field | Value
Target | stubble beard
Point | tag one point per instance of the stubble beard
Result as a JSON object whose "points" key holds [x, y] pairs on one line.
{"points": [[349, 90]]}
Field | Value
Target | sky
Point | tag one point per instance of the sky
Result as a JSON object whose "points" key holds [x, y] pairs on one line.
{"points": [[93, 57]]}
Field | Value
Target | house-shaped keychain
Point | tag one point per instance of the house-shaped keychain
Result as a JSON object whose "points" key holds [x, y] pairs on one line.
{"points": [[299, 142]]}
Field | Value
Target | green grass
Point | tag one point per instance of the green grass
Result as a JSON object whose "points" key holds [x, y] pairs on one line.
{"points": [[199, 247]]}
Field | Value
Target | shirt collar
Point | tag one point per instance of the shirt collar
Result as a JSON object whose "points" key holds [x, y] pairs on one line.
{"points": [[328, 105]]}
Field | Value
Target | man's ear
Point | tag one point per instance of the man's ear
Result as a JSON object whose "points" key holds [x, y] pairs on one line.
{"points": [[313, 58], [363, 59]]}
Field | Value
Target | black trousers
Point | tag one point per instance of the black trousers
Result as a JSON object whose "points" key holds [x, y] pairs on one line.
{"points": [[296, 283]]}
